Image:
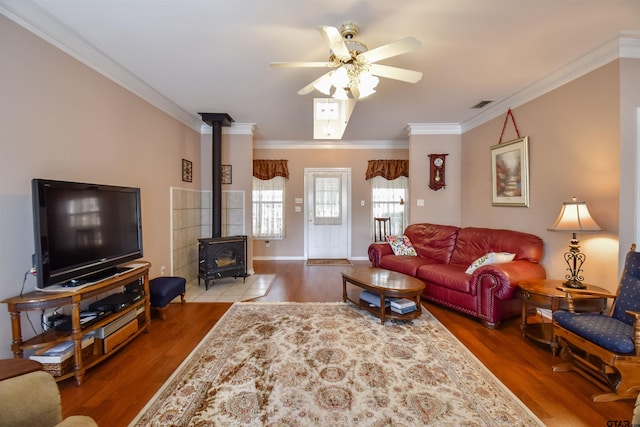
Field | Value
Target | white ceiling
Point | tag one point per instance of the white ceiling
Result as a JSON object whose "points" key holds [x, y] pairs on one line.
{"points": [[190, 56]]}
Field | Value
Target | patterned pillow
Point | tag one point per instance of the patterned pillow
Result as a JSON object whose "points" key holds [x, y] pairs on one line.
{"points": [[401, 245], [490, 258]]}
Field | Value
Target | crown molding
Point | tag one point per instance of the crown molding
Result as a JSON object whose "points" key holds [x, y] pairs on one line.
{"points": [[334, 145], [630, 45], [434, 129], [234, 129], [627, 45]]}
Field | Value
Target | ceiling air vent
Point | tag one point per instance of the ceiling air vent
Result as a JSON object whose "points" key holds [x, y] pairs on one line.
{"points": [[483, 103]]}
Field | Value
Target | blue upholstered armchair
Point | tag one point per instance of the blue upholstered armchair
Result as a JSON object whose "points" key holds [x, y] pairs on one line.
{"points": [[605, 348]]}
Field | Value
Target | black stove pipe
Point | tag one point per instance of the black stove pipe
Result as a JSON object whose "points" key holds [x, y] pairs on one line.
{"points": [[216, 121]]}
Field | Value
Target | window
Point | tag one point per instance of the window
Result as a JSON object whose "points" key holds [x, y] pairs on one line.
{"points": [[388, 200], [328, 200], [268, 208]]}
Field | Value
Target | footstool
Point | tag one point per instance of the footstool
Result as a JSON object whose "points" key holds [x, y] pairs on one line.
{"points": [[162, 290]]}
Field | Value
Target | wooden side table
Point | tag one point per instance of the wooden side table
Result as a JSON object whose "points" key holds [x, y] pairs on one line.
{"points": [[10, 368], [543, 293]]}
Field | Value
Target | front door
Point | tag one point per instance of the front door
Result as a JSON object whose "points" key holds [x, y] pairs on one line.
{"points": [[328, 227]]}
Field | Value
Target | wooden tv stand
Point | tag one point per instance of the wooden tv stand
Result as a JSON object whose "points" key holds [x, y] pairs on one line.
{"points": [[39, 300]]}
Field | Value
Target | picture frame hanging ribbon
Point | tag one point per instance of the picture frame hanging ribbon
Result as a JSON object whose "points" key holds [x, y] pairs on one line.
{"points": [[504, 126]]}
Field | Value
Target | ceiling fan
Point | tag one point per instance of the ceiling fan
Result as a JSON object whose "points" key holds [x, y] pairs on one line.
{"points": [[354, 68]]}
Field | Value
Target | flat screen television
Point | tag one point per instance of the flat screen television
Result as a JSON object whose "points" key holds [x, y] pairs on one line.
{"points": [[83, 231]]}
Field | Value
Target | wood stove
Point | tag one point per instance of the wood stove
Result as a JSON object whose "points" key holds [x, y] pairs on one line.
{"points": [[219, 256], [222, 257]]}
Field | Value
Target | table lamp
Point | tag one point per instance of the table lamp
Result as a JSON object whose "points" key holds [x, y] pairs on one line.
{"points": [[574, 217]]}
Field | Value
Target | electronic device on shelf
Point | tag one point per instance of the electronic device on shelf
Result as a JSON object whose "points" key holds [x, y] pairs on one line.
{"points": [[115, 302], [83, 231], [87, 318]]}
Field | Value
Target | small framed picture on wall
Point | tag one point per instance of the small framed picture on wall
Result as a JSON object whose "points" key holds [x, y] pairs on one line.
{"points": [[226, 174], [187, 170], [510, 173]]}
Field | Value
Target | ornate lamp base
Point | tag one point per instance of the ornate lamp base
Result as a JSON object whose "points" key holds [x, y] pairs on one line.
{"points": [[574, 259], [575, 284]]}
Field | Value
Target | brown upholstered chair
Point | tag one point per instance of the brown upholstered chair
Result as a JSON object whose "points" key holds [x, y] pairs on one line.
{"points": [[32, 399]]}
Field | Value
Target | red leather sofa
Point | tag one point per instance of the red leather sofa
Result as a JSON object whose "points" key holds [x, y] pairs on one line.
{"points": [[445, 252]]}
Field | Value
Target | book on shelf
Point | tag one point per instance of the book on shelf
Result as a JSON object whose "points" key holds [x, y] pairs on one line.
{"points": [[404, 310], [402, 303], [60, 352], [373, 299]]}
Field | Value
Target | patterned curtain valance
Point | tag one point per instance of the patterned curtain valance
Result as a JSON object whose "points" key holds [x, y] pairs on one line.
{"points": [[269, 169], [388, 169]]}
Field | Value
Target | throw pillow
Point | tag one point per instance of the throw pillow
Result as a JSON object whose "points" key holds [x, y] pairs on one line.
{"points": [[401, 245], [490, 258]]}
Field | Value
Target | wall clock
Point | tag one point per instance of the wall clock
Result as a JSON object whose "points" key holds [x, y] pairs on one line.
{"points": [[436, 171]]}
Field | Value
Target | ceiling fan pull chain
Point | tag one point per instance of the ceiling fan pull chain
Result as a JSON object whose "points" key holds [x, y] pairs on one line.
{"points": [[504, 126]]}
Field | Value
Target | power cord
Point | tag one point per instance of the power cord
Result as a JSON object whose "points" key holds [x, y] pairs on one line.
{"points": [[24, 281]]}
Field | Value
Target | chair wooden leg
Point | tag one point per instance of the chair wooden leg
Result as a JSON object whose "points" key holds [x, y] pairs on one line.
{"points": [[182, 298], [620, 381], [161, 312], [610, 397]]}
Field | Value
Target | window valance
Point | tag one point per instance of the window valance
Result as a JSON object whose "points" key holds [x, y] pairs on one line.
{"points": [[388, 169], [269, 169]]}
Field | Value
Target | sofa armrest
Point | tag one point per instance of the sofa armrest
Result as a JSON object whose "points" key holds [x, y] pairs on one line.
{"points": [[501, 280], [377, 251]]}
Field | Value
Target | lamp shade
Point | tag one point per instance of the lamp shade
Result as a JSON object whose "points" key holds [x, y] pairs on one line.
{"points": [[574, 216]]}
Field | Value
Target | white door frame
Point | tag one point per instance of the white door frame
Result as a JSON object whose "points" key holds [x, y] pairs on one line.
{"points": [[307, 173]]}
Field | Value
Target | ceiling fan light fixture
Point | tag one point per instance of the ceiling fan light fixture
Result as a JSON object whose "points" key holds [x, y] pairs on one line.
{"points": [[340, 78], [368, 80], [340, 93], [367, 83], [324, 84], [365, 91]]}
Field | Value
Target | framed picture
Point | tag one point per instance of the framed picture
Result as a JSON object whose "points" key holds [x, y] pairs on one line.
{"points": [[187, 170], [226, 174], [510, 173]]}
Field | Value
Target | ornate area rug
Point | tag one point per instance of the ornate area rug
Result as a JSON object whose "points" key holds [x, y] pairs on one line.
{"points": [[330, 364]]}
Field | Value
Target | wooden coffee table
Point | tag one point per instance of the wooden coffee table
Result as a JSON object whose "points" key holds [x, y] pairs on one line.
{"points": [[385, 283]]}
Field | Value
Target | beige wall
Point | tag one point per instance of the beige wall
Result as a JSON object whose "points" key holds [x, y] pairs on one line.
{"points": [[574, 150], [441, 206], [629, 156], [62, 120], [293, 245]]}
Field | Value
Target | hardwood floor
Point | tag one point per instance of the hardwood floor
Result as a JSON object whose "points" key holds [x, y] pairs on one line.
{"points": [[115, 391]]}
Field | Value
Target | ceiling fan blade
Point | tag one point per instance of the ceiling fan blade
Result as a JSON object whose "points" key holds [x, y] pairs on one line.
{"points": [[395, 73], [311, 86], [303, 64], [336, 43], [399, 47]]}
